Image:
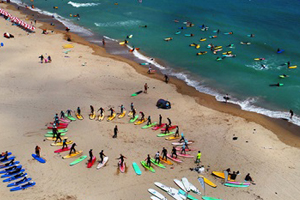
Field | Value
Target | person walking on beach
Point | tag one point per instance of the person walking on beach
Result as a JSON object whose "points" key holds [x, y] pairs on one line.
{"points": [[148, 161], [102, 155], [91, 155], [198, 158], [148, 120], [145, 88], [291, 114], [160, 119], [38, 151], [169, 121], [177, 132], [64, 144], [174, 152], [42, 58], [166, 78], [73, 148], [157, 160], [78, 111], [115, 132], [164, 153], [58, 137]]}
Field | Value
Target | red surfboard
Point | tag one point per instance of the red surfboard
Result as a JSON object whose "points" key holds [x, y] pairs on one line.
{"points": [[158, 127], [91, 163], [122, 167], [62, 150], [170, 128]]}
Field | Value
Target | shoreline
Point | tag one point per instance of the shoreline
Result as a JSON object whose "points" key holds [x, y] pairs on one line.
{"points": [[287, 132]]}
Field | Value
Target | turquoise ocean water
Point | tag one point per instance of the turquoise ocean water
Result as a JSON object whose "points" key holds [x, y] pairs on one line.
{"points": [[275, 24]]}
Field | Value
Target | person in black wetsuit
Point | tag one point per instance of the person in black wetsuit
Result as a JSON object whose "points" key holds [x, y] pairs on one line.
{"points": [[115, 132], [121, 158], [78, 111], [160, 119], [102, 155], [38, 151], [73, 148], [56, 119], [64, 144], [174, 153], [233, 175], [131, 107], [15, 171], [91, 155], [69, 112], [58, 137], [122, 109], [142, 116], [9, 163], [166, 78], [92, 109], [148, 120], [133, 113], [111, 112], [62, 114], [292, 114], [164, 153], [148, 161], [4, 155], [170, 123], [167, 129], [249, 178], [101, 111], [177, 132]]}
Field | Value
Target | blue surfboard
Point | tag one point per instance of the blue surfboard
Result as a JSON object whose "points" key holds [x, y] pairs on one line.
{"points": [[40, 159]]}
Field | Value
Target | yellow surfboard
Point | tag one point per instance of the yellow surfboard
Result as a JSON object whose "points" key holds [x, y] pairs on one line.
{"points": [[168, 162], [60, 143], [109, 118], [100, 118], [121, 43], [203, 39], [92, 116], [197, 46], [53, 139], [80, 117], [72, 155], [208, 182], [122, 114], [293, 67], [139, 122], [227, 52], [221, 175], [172, 138]]}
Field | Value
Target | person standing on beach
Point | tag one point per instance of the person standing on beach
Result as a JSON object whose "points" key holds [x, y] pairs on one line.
{"points": [[198, 158], [64, 144], [174, 152], [62, 114], [164, 153], [133, 113], [160, 119], [101, 111], [92, 109], [169, 121], [103, 42], [78, 111], [142, 116], [102, 155], [121, 158], [148, 120], [157, 160], [91, 155], [131, 106], [69, 112], [292, 114], [73, 148], [177, 132], [42, 58], [115, 132], [122, 108], [166, 78], [145, 88], [148, 161], [58, 137], [38, 151], [167, 129]]}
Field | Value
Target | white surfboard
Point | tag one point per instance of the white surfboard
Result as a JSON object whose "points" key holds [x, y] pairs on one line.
{"points": [[181, 143], [157, 194], [154, 198], [194, 189], [186, 184], [179, 184], [105, 160], [174, 193], [162, 186]]}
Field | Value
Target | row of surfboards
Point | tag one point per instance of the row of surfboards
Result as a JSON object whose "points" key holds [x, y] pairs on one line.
{"points": [[13, 173]]}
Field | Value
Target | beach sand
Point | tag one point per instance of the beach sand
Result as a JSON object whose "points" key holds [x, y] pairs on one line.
{"points": [[32, 92]]}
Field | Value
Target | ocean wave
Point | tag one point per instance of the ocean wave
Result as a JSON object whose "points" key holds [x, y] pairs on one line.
{"points": [[78, 5], [120, 23]]}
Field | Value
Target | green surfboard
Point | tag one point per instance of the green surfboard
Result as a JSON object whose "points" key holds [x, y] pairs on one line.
{"points": [[150, 125], [157, 164], [59, 131], [78, 160], [51, 135], [234, 185], [147, 167], [136, 168], [71, 118], [189, 196], [134, 119], [209, 198], [163, 135]]}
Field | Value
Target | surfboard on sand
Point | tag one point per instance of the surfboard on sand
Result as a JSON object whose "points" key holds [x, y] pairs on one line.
{"points": [[100, 165]]}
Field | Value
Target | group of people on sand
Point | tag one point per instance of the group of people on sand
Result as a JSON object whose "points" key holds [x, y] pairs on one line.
{"points": [[45, 59], [234, 174]]}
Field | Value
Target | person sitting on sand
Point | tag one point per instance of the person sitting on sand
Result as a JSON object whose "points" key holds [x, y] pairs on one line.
{"points": [[38, 151], [148, 161], [164, 153], [157, 160], [145, 88], [69, 112], [249, 178], [148, 120], [73, 148], [102, 155], [174, 152]]}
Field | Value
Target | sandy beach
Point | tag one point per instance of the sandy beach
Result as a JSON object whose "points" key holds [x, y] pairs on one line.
{"points": [[32, 92]]}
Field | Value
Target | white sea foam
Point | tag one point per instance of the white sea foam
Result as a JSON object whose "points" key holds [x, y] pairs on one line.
{"points": [[118, 24], [78, 5]]}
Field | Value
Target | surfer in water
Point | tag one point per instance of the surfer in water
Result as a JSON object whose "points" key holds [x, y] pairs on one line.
{"points": [[73, 148], [38, 151], [121, 158], [164, 153], [101, 111], [166, 78], [174, 152], [291, 114], [148, 120], [148, 161], [157, 160], [160, 119], [102, 155], [226, 98]]}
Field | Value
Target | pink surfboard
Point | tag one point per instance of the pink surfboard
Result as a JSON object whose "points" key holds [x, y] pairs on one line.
{"points": [[158, 127], [122, 167], [174, 159], [185, 155]]}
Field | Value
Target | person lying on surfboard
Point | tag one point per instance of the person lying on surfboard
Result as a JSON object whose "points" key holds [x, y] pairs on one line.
{"points": [[148, 120], [142, 116], [174, 152], [148, 161], [101, 111], [121, 158], [164, 153], [102, 155]]}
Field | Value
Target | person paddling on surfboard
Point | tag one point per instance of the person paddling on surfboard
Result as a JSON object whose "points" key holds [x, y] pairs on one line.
{"points": [[157, 160], [148, 161], [101, 111], [64, 144], [170, 123], [78, 111], [121, 158], [38, 151], [174, 152], [148, 120], [102, 155], [73, 148], [164, 153], [91, 155]]}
